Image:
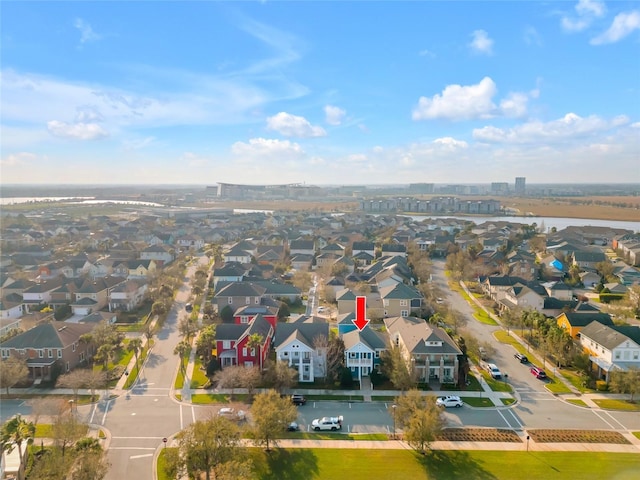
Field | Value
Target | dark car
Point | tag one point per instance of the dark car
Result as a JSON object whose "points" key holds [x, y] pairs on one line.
{"points": [[538, 372], [521, 357], [293, 427], [188, 307], [298, 399]]}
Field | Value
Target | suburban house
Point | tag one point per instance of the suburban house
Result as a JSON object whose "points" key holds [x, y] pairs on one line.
{"points": [[127, 296], [611, 348], [363, 247], [559, 290], [574, 322], [301, 261], [160, 254], [40, 293], [50, 348], [238, 294], [8, 323], [298, 344], [521, 296], [237, 255], [11, 307], [587, 260], [346, 300], [232, 343], [93, 295], [304, 247], [246, 313], [429, 352], [229, 272], [393, 250], [362, 351], [345, 323], [400, 300]]}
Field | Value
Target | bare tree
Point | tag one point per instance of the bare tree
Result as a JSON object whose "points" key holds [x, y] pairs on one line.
{"points": [[14, 370], [280, 375]]}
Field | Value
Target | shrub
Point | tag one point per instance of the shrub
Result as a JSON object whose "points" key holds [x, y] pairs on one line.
{"points": [[346, 380], [601, 386], [610, 297]]}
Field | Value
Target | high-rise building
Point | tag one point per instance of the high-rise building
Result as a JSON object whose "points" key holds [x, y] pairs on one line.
{"points": [[499, 188], [520, 187]]}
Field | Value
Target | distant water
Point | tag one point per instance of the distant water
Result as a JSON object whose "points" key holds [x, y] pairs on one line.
{"points": [[82, 200]]}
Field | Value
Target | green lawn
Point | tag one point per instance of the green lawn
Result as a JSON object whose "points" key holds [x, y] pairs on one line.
{"points": [[508, 401], [483, 317], [359, 464], [576, 401], [555, 386], [335, 436], [613, 404], [636, 434], [496, 385], [576, 380], [44, 430], [477, 401], [205, 398], [133, 374], [179, 382], [199, 378]]}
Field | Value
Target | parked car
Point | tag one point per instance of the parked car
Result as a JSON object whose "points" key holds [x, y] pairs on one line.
{"points": [[327, 423], [439, 300], [293, 427], [522, 358], [493, 369], [449, 401], [298, 399], [538, 372], [320, 309], [483, 353], [231, 414], [188, 307]]}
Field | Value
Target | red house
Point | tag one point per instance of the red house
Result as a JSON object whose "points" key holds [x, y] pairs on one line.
{"points": [[232, 340]]}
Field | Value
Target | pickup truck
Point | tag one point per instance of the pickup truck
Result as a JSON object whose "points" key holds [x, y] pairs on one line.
{"points": [[327, 423], [494, 370]]}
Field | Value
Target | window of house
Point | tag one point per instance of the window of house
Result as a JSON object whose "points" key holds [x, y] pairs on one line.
{"points": [[352, 354], [404, 313], [248, 300], [403, 303], [635, 355], [67, 367], [73, 347], [59, 353], [226, 344], [230, 301], [244, 351], [253, 352], [22, 351], [5, 353], [617, 355], [244, 319], [385, 302], [40, 353], [377, 353], [82, 356], [257, 301]]}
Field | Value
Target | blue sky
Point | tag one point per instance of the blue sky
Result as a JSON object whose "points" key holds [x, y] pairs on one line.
{"points": [[320, 92]]}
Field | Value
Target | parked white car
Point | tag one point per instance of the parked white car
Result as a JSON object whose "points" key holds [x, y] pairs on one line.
{"points": [[327, 423], [232, 414], [493, 369], [449, 401]]}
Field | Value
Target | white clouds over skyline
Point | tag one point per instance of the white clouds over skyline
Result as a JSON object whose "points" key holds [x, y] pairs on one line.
{"points": [[334, 115], [294, 126], [623, 25], [77, 131], [481, 43], [87, 34], [586, 11]]}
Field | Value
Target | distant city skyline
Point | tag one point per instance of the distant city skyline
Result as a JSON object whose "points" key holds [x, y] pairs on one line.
{"points": [[324, 93]]}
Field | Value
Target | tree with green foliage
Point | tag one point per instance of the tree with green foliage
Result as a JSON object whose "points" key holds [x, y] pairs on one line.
{"points": [[206, 446], [66, 430], [271, 414], [135, 346], [396, 369], [226, 314], [206, 342], [182, 349], [254, 343], [627, 381], [105, 354], [419, 417], [13, 370], [17, 432]]}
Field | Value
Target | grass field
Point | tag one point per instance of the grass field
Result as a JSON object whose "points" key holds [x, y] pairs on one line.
{"points": [[199, 378], [613, 404], [206, 398], [360, 464], [576, 401]]}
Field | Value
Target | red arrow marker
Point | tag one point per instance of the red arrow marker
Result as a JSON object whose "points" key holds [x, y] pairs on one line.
{"points": [[361, 312]]}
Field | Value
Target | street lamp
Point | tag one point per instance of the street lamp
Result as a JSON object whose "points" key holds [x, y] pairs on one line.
{"points": [[394, 406], [71, 405]]}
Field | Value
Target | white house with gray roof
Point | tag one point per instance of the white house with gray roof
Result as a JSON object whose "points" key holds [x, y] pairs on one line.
{"points": [[362, 351], [298, 345], [611, 347]]}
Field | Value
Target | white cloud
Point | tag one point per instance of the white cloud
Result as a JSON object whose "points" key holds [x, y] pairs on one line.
{"points": [[86, 32], [623, 25], [267, 148], [18, 159], [450, 143], [77, 131], [459, 102], [481, 43], [293, 126], [334, 115], [427, 53], [514, 105], [357, 158], [564, 129], [587, 11]]}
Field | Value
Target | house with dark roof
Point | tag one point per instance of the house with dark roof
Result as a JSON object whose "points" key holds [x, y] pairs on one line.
{"points": [[238, 294], [400, 300], [574, 322], [429, 352], [611, 347], [49, 348], [302, 246], [229, 272], [300, 346], [394, 250]]}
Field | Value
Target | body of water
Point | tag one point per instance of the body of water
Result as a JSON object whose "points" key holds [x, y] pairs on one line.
{"points": [[82, 200]]}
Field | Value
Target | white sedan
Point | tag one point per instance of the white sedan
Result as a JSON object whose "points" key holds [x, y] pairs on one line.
{"points": [[449, 401]]}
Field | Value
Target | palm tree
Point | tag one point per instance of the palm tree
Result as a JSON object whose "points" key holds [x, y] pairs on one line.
{"points": [[105, 354], [14, 433], [182, 348], [135, 346], [255, 342]]}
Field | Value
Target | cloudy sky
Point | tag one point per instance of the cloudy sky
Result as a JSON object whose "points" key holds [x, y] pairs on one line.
{"points": [[320, 93]]}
